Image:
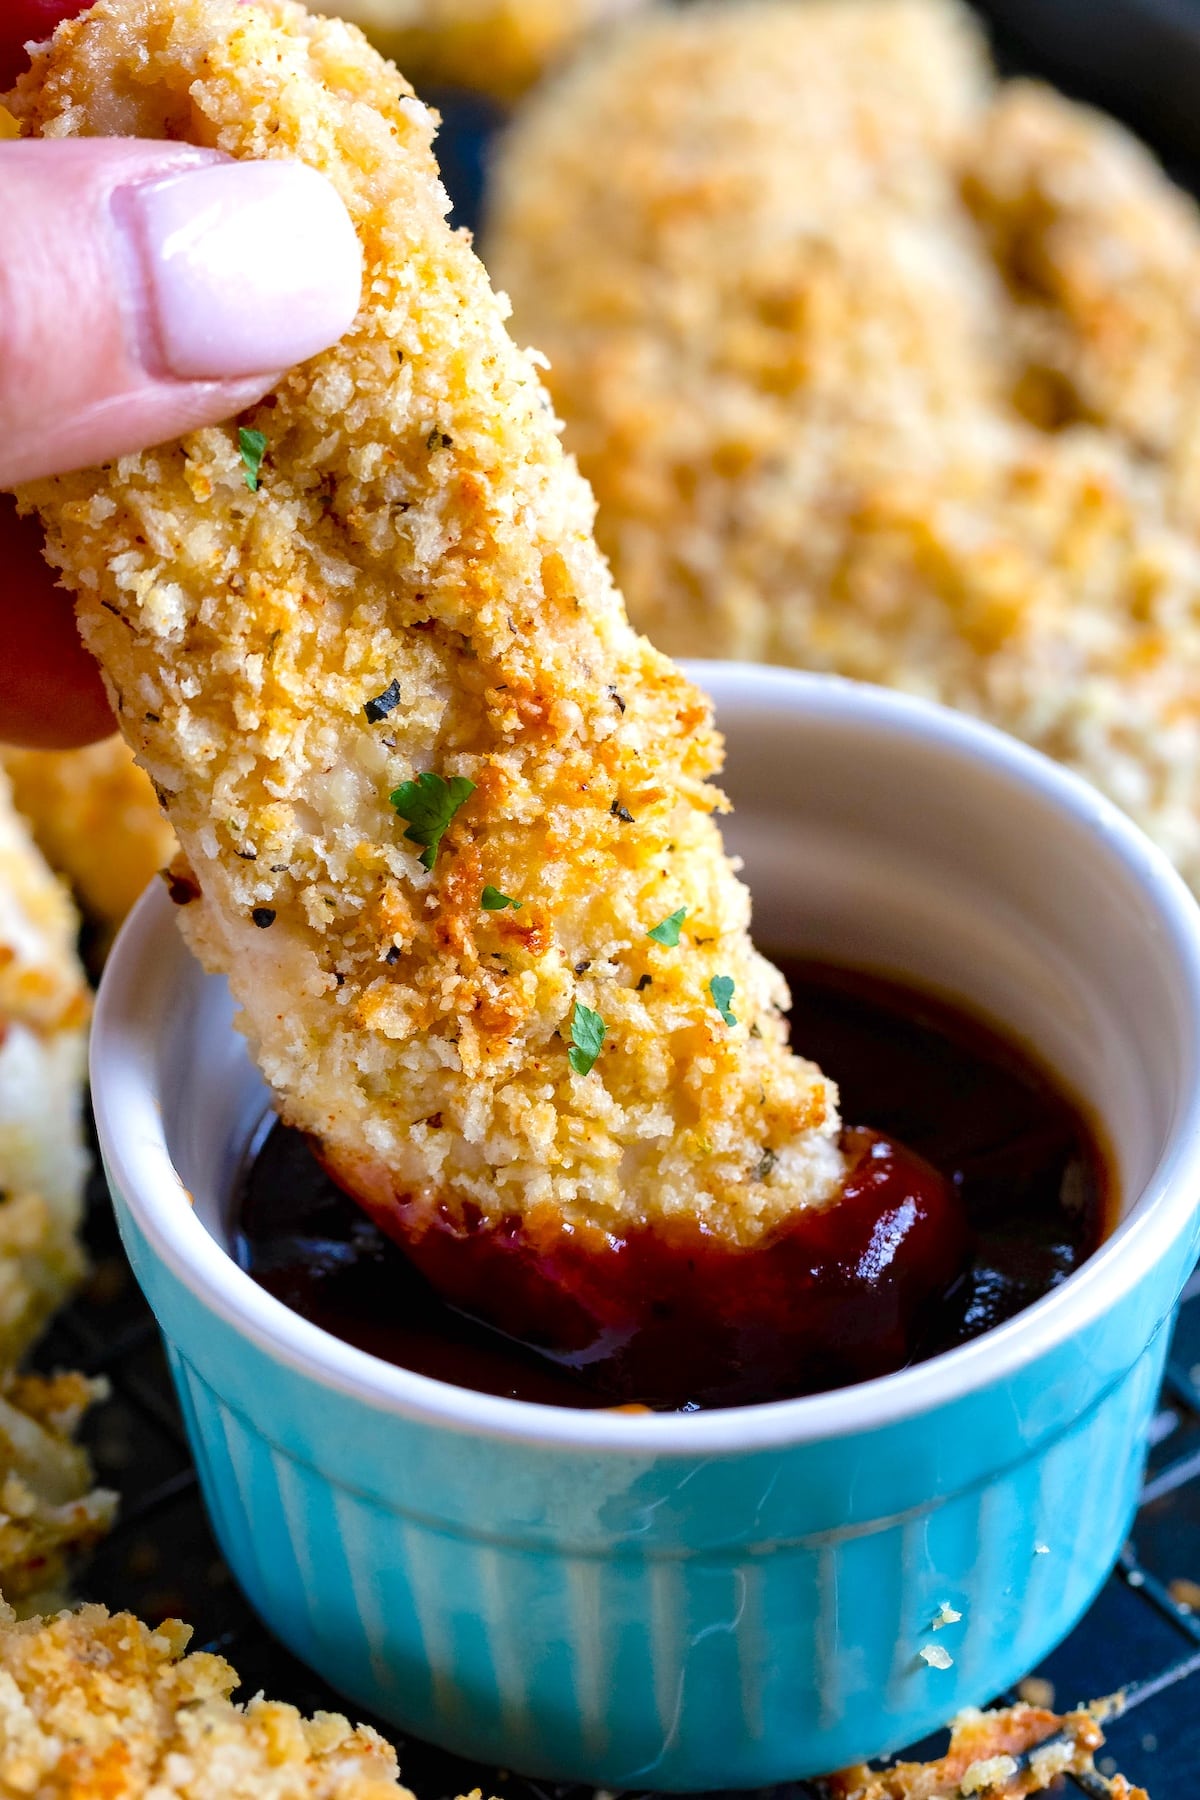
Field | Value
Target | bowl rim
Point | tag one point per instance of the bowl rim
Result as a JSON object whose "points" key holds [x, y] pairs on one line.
{"points": [[132, 1137]]}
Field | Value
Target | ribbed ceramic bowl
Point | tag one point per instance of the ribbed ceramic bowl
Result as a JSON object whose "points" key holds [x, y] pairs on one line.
{"points": [[728, 1599]]}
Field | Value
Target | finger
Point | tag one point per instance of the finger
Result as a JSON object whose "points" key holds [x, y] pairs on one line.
{"points": [[51, 694], [146, 289]]}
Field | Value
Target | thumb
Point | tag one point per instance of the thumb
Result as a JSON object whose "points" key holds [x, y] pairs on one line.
{"points": [[146, 289]]}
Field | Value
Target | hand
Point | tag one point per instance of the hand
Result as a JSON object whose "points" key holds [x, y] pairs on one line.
{"points": [[145, 289]]}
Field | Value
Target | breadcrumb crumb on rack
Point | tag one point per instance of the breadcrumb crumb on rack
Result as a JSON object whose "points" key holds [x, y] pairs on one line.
{"points": [[415, 532], [901, 382], [1002, 1755]]}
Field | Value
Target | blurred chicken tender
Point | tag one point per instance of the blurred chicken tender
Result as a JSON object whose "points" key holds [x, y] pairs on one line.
{"points": [[97, 821], [497, 47], [44, 1008], [50, 1512], [93, 1704], [879, 367], [411, 594]]}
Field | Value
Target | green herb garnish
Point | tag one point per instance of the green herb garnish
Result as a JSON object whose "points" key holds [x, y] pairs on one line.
{"points": [[492, 900], [427, 805], [667, 930], [587, 1037], [721, 989], [253, 446]]}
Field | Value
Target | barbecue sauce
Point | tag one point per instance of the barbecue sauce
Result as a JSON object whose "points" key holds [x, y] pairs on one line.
{"points": [[981, 1183]]}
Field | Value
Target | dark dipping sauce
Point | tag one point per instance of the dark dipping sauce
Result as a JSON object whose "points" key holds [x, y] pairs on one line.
{"points": [[1021, 1153]]}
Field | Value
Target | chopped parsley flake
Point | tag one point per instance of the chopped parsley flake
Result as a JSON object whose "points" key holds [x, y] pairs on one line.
{"points": [[492, 900], [253, 447], [721, 989], [587, 1037], [378, 709], [667, 930], [427, 805]]}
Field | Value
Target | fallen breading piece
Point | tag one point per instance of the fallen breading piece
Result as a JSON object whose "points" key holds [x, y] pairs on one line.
{"points": [[95, 1704], [50, 1510], [496, 47], [410, 594], [97, 821], [1002, 1755], [44, 1008], [807, 317]]}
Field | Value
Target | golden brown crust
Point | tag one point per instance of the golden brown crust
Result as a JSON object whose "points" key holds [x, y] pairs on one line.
{"points": [[96, 820], [1002, 1755], [96, 1705], [853, 379], [498, 47], [416, 523]]}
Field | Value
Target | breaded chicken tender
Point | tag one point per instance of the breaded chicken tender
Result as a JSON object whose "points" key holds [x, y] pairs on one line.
{"points": [[454, 991], [1001, 1755], [497, 47], [50, 1509], [44, 1008], [880, 368], [93, 1704], [97, 821]]}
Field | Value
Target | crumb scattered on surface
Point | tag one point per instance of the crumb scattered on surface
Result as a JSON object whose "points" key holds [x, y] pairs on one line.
{"points": [[1003, 1755]]}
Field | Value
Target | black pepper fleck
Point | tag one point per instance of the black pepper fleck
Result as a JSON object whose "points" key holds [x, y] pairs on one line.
{"points": [[378, 709], [644, 982], [393, 955], [263, 916], [581, 968], [621, 812]]}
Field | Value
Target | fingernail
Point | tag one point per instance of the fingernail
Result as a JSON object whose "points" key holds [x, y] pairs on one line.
{"points": [[242, 268]]}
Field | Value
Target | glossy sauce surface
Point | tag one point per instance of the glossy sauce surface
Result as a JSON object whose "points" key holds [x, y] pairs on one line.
{"points": [[1021, 1160]]}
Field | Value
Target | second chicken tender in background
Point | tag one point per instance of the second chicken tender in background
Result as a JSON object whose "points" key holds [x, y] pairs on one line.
{"points": [[496, 47], [834, 326], [97, 822]]}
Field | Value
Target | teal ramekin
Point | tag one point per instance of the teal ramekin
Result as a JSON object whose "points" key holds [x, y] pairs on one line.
{"points": [[741, 1597]]}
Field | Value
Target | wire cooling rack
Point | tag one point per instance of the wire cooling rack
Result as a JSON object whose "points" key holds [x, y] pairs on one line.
{"points": [[1142, 1635]]}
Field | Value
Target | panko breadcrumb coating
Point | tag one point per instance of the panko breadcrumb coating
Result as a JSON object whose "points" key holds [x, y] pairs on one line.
{"points": [[881, 368], [497, 47], [44, 1007], [93, 1704], [96, 820], [50, 1512], [413, 593], [1002, 1755]]}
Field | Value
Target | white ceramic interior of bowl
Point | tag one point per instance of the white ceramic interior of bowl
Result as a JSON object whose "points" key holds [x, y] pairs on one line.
{"points": [[875, 829]]}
